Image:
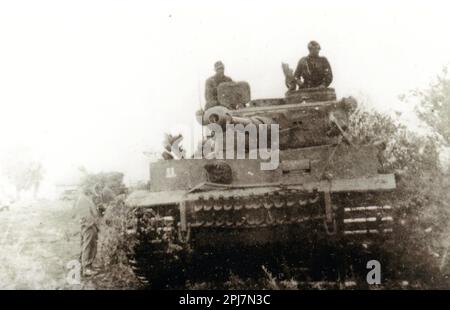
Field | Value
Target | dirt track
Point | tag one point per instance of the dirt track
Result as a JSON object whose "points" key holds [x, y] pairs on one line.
{"points": [[37, 241]]}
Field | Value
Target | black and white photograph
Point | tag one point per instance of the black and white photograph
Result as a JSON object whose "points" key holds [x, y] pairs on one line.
{"points": [[198, 145]]}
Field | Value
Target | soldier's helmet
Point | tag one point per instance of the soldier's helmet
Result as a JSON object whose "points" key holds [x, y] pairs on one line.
{"points": [[218, 65], [313, 44]]}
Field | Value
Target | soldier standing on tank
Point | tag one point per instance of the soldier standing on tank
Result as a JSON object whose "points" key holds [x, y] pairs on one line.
{"points": [[313, 70], [89, 219], [213, 82]]}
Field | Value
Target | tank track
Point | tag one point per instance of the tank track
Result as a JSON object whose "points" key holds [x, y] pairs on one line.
{"points": [[155, 257], [160, 254]]}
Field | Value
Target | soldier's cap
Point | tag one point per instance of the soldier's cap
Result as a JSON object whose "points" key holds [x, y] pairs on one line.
{"points": [[218, 64], [313, 44]]}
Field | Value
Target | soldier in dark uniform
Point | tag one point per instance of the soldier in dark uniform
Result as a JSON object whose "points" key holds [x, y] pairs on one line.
{"points": [[213, 82], [313, 70]]}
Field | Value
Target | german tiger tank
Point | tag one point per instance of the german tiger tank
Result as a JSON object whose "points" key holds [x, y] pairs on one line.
{"points": [[218, 213]]}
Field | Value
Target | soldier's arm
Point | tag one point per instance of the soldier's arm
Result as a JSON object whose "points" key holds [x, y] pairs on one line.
{"points": [[93, 209], [328, 74], [209, 94], [300, 69]]}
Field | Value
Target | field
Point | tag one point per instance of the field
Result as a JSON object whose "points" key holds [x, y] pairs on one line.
{"points": [[38, 240]]}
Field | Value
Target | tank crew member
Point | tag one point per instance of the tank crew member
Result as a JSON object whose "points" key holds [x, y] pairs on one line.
{"points": [[89, 218], [313, 70], [213, 82]]}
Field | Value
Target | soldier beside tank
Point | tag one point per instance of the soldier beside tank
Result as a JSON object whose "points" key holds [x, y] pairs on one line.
{"points": [[89, 216], [90, 207]]}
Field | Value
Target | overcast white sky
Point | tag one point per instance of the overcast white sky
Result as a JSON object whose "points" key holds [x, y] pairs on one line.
{"points": [[96, 83]]}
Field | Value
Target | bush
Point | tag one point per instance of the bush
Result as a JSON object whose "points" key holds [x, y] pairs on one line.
{"points": [[113, 180], [114, 245], [421, 198]]}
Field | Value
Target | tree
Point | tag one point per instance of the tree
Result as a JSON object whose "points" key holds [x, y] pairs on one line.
{"points": [[24, 175], [114, 180], [406, 152], [433, 105], [421, 199]]}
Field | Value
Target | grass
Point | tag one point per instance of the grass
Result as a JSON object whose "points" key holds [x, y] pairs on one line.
{"points": [[38, 240]]}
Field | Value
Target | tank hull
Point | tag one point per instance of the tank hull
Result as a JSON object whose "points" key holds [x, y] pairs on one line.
{"points": [[321, 192]]}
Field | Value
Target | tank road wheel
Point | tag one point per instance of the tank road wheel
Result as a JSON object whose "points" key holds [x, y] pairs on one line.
{"points": [[156, 259]]}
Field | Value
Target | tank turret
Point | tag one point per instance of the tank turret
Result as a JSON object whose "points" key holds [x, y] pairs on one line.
{"points": [[301, 123]]}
